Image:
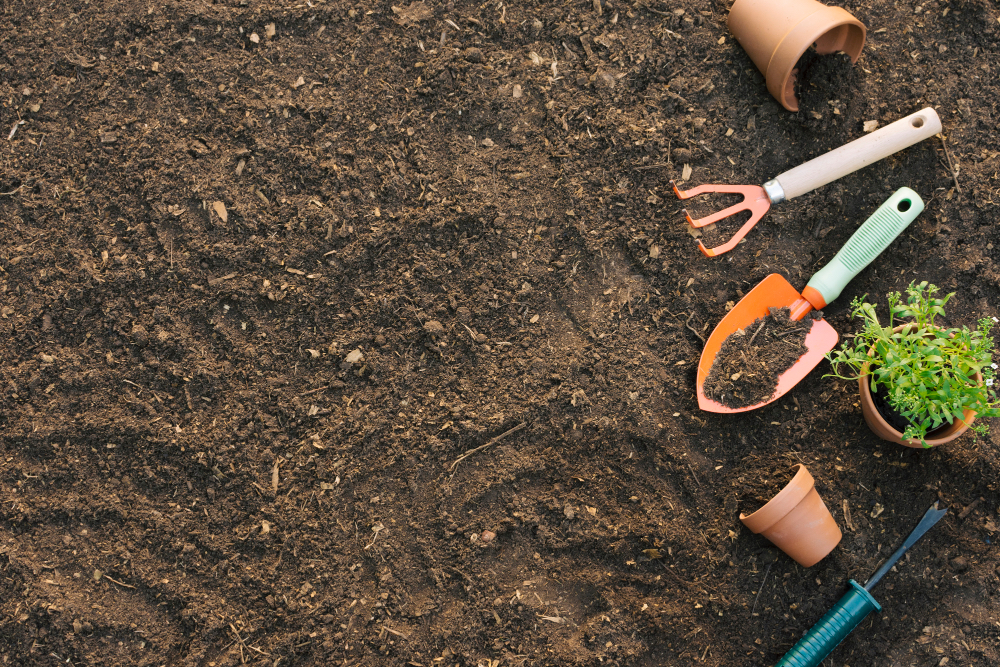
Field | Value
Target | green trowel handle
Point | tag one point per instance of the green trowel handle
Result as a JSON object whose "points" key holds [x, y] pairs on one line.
{"points": [[832, 628], [867, 243]]}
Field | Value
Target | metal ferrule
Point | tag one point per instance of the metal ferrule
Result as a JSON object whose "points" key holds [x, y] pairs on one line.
{"points": [[774, 191]]}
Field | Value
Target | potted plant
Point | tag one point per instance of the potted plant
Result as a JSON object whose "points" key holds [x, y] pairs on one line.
{"points": [[921, 384]]}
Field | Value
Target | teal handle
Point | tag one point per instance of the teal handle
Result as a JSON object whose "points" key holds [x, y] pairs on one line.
{"points": [[867, 243], [832, 629]]}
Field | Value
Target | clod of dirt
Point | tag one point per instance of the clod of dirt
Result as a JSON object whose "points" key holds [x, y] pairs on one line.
{"points": [[474, 55], [434, 327], [750, 361]]}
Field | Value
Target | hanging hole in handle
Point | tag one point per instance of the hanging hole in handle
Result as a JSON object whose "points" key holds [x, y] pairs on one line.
{"points": [[903, 206], [918, 122]]}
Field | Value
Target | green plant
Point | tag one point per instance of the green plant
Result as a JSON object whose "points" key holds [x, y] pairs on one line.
{"points": [[927, 371]]}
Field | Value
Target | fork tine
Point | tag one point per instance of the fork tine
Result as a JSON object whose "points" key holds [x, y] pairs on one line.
{"points": [[721, 215], [737, 237], [755, 200]]}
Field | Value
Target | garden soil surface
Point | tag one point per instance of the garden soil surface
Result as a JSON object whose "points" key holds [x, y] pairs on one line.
{"points": [[268, 270]]}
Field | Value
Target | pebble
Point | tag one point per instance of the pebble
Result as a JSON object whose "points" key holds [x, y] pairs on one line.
{"points": [[487, 536]]}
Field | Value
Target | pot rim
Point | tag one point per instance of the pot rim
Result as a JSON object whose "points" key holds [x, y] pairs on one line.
{"points": [[782, 503]]}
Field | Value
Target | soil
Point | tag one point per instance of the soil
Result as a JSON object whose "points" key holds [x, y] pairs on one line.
{"points": [[268, 270], [758, 491], [881, 400], [750, 361]]}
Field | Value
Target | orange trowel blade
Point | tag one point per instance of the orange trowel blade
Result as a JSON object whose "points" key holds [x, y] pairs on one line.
{"points": [[772, 292]]}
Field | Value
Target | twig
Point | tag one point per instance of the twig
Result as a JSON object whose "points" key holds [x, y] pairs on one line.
{"points": [[693, 330], [491, 442], [759, 329], [761, 589], [951, 167], [395, 632], [14, 191], [694, 475], [784, 333], [118, 582], [313, 391], [968, 510]]}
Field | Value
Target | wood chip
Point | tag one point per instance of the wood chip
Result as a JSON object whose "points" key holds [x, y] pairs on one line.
{"points": [[870, 125], [847, 516], [216, 281], [968, 510], [686, 172], [295, 271], [220, 210], [299, 82], [269, 30]]}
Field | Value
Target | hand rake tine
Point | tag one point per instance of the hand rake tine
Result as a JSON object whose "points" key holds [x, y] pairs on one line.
{"points": [[695, 191], [721, 215], [731, 243]]}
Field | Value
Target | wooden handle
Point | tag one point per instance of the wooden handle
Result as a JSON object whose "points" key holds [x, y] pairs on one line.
{"points": [[860, 153]]}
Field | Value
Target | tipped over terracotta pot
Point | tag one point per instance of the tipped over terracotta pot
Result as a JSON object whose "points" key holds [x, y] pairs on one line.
{"points": [[797, 521], [775, 34]]}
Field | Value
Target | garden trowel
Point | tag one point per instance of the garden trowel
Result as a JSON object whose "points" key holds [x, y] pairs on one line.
{"points": [[774, 291]]}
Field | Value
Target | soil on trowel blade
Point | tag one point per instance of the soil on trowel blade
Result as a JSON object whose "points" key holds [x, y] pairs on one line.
{"points": [[751, 360]]}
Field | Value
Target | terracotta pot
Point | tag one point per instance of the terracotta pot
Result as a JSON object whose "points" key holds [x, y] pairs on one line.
{"points": [[775, 34], [797, 521], [877, 423]]}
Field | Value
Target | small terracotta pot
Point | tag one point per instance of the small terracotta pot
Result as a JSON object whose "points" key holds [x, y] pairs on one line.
{"points": [[797, 521], [775, 34], [884, 430]]}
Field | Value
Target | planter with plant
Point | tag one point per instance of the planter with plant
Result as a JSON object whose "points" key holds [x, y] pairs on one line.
{"points": [[922, 384]]}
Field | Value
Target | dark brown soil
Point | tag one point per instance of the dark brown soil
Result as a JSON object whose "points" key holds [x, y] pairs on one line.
{"points": [[758, 491], [881, 400], [750, 361], [259, 292]]}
